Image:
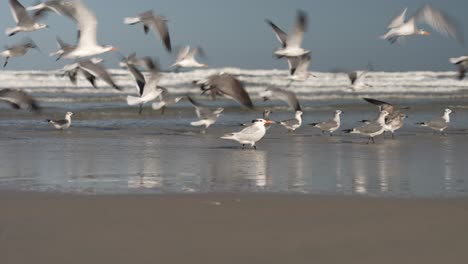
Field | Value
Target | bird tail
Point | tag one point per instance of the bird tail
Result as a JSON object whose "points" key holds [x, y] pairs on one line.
{"points": [[455, 60], [131, 20], [158, 105], [11, 31], [228, 136], [421, 124], [313, 124], [349, 131], [133, 100], [364, 121]]}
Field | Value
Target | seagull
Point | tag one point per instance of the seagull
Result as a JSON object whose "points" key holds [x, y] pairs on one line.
{"points": [[138, 77], [400, 27], [462, 63], [291, 44], [287, 96], [251, 134], [293, 124], [63, 49], [87, 28], [24, 21], [330, 125], [165, 99], [62, 124], [92, 69], [356, 78], [150, 90], [207, 116], [18, 50], [395, 123], [158, 23], [394, 120], [186, 59], [18, 99], [227, 85], [299, 68], [371, 129], [439, 124], [132, 59]]}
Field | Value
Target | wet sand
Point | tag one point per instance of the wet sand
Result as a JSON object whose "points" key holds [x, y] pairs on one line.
{"points": [[230, 228]]}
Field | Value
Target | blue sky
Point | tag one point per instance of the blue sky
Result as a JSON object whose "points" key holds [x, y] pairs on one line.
{"points": [[341, 33]]}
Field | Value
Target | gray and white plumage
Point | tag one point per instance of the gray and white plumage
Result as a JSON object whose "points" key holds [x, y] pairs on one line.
{"points": [[91, 69], [25, 22], [462, 63], [251, 134], [87, 25], [435, 18], [394, 120], [395, 123], [145, 62], [157, 23], [330, 125], [371, 129], [19, 99], [62, 124], [291, 44], [277, 93], [186, 58], [226, 85], [63, 48], [357, 79], [206, 116], [299, 67], [292, 124], [18, 50], [165, 99], [150, 90], [438, 124]]}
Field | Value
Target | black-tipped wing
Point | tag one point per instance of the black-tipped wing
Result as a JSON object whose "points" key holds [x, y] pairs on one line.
{"points": [[280, 34], [382, 105], [17, 99], [228, 85]]}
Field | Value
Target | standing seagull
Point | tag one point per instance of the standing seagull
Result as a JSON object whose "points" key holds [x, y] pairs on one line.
{"points": [[330, 125], [18, 99], [186, 59], [394, 120], [62, 123], [24, 21], [18, 50], [291, 44], [395, 123], [292, 124], [227, 85], [438, 124], [287, 96], [251, 134], [399, 27], [371, 129], [462, 63], [91, 70], [207, 116], [158, 23]]}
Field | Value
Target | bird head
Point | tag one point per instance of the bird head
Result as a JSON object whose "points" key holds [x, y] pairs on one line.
{"points": [[338, 112], [448, 111], [69, 114], [423, 32]]}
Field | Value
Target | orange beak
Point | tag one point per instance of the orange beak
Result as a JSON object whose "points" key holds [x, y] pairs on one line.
{"points": [[425, 33], [114, 49], [269, 122]]}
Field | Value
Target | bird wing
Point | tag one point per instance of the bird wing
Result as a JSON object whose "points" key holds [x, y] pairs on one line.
{"points": [[18, 98], [295, 38], [160, 25], [87, 23], [183, 52], [353, 76], [98, 71], [398, 20], [231, 87], [18, 11], [303, 65], [437, 123], [138, 77], [369, 128], [440, 22], [280, 34], [293, 62], [382, 105]]}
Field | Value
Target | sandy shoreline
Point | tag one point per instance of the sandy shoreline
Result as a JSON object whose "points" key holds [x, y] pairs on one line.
{"points": [[230, 228]]}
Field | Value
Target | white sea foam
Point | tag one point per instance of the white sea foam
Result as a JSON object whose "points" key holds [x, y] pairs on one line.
{"points": [[325, 86]]}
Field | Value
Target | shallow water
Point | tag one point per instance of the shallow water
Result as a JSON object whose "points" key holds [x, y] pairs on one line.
{"points": [[111, 149]]}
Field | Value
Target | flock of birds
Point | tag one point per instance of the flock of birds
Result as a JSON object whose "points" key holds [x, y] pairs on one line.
{"points": [[223, 84]]}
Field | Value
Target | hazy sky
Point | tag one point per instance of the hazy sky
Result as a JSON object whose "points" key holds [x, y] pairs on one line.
{"points": [[341, 33]]}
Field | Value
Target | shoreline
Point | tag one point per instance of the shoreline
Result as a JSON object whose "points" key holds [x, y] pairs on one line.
{"points": [[230, 228]]}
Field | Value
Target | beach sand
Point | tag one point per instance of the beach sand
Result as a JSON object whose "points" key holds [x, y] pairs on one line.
{"points": [[230, 228]]}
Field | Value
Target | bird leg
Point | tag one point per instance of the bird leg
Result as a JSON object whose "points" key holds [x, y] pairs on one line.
{"points": [[255, 147], [443, 133], [373, 141], [243, 146], [141, 109], [163, 109], [331, 134], [393, 135], [6, 62]]}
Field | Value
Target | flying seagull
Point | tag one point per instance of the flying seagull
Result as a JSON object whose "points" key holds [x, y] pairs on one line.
{"points": [[148, 88], [91, 69], [299, 68], [186, 58], [19, 99], [18, 50], [462, 63], [400, 27], [287, 96], [24, 21], [206, 116], [227, 85], [165, 99], [291, 44], [157, 23]]}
